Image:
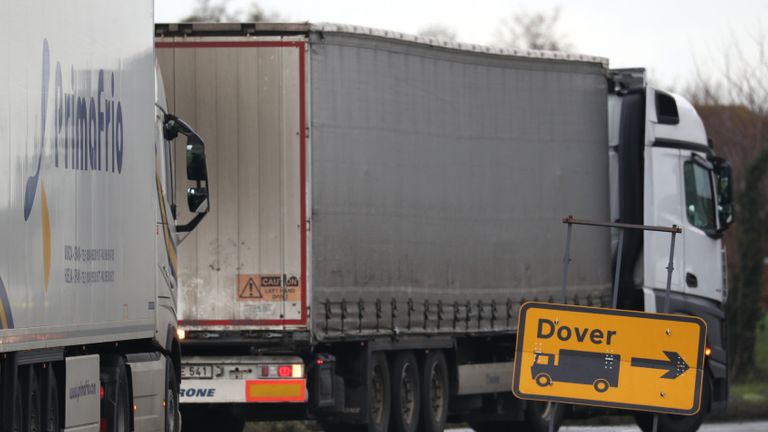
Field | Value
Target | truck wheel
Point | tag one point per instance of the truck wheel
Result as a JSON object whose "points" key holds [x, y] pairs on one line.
{"points": [[51, 414], [538, 415], [18, 409], [670, 423], [676, 423], [601, 385], [201, 419], [172, 414], [406, 393], [31, 397], [435, 392], [116, 404], [379, 394]]}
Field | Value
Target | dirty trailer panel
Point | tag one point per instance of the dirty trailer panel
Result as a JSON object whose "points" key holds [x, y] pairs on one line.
{"points": [[243, 267], [436, 179], [439, 179]]}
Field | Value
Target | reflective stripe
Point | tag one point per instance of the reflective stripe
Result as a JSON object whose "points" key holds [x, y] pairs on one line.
{"points": [[293, 390]]}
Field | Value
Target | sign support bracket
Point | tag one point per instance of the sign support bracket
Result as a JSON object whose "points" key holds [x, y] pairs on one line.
{"points": [[570, 221]]}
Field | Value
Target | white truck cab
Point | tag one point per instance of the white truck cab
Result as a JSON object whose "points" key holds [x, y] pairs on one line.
{"points": [[664, 171]]}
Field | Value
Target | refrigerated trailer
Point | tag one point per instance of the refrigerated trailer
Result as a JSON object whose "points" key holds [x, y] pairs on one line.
{"points": [[385, 203], [87, 234]]}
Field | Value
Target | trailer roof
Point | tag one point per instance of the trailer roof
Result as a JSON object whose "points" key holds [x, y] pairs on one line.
{"points": [[277, 29]]}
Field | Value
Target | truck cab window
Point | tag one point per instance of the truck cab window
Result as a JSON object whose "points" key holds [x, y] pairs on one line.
{"points": [[699, 199]]}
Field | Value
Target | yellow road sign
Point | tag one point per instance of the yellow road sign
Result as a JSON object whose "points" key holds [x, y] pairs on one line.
{"points": [[610, 358]]}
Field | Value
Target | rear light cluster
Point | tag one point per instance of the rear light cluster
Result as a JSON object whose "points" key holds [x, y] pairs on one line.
{"points": [[282, 371]]}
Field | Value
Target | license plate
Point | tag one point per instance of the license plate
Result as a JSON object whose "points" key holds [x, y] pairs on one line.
{"points": [[197, 371]]}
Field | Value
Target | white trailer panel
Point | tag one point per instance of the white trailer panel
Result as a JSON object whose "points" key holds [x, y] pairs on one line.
{"points": [[78, 203], [243, 266], [434, 179]]}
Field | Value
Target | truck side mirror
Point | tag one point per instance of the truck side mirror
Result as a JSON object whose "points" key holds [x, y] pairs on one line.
{"points": [[197, 170], [724, 185], [196, 167], [196, 197]]}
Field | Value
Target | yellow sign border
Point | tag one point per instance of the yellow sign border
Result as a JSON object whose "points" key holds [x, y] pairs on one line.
{"points": [[627, 313]]}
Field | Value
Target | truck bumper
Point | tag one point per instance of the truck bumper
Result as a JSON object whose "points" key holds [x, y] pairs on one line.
{"points": [[243, 391], [243, 379]]}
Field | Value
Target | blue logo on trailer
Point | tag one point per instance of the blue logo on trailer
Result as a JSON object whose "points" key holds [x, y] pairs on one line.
{"points": [[88, 128]]}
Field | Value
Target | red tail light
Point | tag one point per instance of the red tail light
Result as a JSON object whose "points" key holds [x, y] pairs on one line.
{"points": [[284, 371], [101, 392]]}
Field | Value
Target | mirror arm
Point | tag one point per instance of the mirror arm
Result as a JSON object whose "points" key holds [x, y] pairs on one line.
{"points": [[187, 227]]}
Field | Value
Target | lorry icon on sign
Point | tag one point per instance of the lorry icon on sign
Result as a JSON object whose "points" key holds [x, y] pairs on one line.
{"points": [[600, 370]]}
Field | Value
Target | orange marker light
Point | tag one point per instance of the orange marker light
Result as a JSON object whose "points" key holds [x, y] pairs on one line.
{"points": [[707, 351]]}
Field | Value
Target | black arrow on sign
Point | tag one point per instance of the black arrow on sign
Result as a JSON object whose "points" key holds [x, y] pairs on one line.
{"points": [[675, 366]]}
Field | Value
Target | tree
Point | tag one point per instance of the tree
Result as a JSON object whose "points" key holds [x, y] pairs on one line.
{"points": [[438, 31], [207, 11], [733, 104], [258, 14], [532, 30]]}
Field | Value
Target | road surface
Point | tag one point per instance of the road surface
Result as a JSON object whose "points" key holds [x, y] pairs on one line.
{"points": [[756, 426]]}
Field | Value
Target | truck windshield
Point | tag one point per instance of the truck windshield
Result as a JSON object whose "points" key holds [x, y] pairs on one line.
{"points": [[699, 199]]}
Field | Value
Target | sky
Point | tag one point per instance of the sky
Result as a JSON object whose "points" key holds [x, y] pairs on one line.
{"points": [[673, 39]]}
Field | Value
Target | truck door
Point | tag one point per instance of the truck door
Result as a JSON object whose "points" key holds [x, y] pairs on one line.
{"points": [[245, 266], [663, 192], [703, 266]]}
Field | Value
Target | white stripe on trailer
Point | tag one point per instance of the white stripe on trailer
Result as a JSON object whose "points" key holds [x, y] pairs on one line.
{"points": [[212, 391]]}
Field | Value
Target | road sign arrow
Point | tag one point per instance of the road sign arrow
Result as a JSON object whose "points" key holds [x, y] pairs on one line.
{"points": [[675, 366]]}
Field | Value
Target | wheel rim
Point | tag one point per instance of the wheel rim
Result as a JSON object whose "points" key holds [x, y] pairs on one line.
{"points": [[377, 399], [407, 393], [436, 392]]}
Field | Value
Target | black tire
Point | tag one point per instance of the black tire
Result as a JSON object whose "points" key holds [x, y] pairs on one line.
{"points": [[491, 427], [197, 419], [435, 392], [677, 423], [116, 404], [124, 403], [51, 409], [17, 414], [536, 419], [32, 400], [670, 423], [172, 413], [406, 393], [379, 394], [538, 414]]}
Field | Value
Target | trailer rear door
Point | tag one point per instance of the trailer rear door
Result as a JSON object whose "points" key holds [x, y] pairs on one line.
{"points": [[244, 267]]}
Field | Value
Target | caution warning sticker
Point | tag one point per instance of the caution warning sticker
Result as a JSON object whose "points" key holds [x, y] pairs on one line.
{"points": [[267, 288]]}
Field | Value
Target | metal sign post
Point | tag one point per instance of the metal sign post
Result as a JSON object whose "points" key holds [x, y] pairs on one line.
{"points": [[571, 221]]}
